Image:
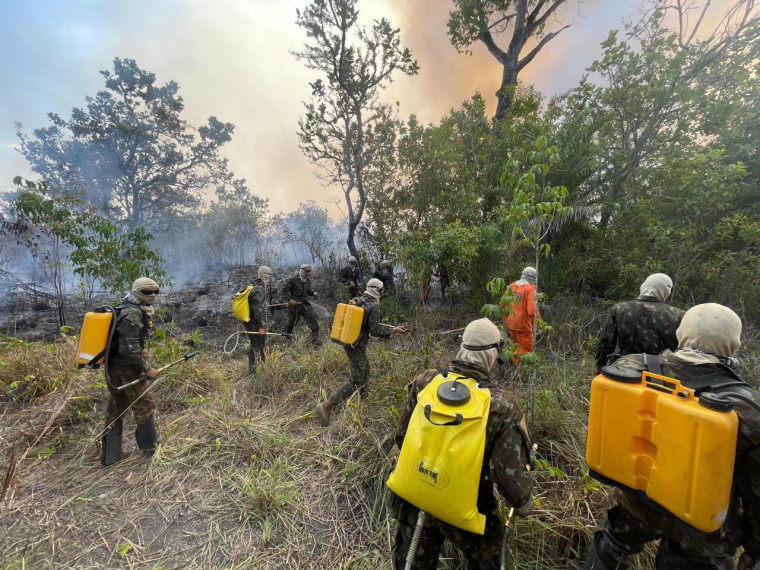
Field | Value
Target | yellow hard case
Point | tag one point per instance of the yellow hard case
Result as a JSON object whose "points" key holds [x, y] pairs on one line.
{"points": [[94, 337], [653, 436], [347, 324], [438, 469]]}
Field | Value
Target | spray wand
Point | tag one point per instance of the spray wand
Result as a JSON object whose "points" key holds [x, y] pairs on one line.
{"points": [[144, 377]]}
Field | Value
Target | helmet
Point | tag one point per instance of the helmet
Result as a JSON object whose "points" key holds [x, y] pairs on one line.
{"points": [[265, 273], [374, 288]]}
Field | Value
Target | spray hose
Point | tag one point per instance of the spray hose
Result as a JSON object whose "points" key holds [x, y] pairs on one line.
{"points": [[237, 339], [412, 552]]}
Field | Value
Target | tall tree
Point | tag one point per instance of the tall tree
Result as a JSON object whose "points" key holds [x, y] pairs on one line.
{"points": [[523, 20], [130, 150], [346, 124]]}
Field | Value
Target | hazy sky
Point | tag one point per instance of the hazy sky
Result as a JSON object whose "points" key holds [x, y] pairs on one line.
{"points": [[232, 59]]}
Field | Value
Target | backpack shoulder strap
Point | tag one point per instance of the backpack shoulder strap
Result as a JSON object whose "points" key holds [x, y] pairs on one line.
{"points": [[653, 363]]}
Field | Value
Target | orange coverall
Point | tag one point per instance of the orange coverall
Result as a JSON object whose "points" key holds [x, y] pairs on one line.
{"points": [[520, 324]]}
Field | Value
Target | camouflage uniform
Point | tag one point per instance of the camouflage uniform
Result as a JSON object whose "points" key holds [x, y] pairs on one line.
{"points": [[125, 364], [257, 304], [631, 523], [357, 356], [301, 291], [645, 325], [385, 274], [349, 275], [506, 453]]}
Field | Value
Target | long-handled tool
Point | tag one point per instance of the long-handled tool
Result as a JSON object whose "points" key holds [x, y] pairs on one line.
{"points": [[144, 377], [406, 329], [509, 527]]}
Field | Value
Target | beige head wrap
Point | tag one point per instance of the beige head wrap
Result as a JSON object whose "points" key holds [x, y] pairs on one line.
{"points": [[657, 285], [480, 333], [143, 284], [711, 328]]}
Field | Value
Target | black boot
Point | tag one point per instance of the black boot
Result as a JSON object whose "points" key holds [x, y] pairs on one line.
{"points": [[593, 562], [146, 435], [111, 445]]}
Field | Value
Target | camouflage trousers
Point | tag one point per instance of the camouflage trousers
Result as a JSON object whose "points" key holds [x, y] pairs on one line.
{"points": [[305, 311], [631, 524], [478, 552], [255, 349], [120, 401], [359, 367]]}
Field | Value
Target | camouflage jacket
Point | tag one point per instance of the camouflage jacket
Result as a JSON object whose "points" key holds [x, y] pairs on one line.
{"points": [[385, 275], [297, 290], [507, 440], [132, 329], [349, 274], [645, 325], [257, 303], [742, 524], [371, 322]]}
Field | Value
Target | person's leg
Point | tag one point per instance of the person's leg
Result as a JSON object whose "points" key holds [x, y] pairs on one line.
{"points": [[623, 536], [311, 320], [671, 556], [481, 552], [143, 408]]}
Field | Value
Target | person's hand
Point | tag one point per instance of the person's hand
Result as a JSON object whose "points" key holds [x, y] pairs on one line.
{"points": [[399, 330], [351, 284], [291, 302], [745, 562], [524, 510], [152, 373], [145, 352], [314, 293], [262, 332]]}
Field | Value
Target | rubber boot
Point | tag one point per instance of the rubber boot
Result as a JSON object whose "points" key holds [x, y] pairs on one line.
{"points": [[593, 562], [323, 412], [111, 445], [146, 435]]}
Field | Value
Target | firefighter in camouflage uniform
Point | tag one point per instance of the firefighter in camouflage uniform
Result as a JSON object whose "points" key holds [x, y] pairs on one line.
{"points": [[258, 299], [708, 337], [349, 276], [298, 291], [127, 362], [646, 325], [384, 272], [357, 356], [504, 462]]}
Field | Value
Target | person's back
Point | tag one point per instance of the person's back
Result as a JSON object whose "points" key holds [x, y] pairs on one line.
{"points": [[646, 325], [506, 456], [707, 337]]}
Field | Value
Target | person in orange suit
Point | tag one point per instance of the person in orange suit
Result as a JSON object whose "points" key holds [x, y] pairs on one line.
{"points": [[524, 312]]}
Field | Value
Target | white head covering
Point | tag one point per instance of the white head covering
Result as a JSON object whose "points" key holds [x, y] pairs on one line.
{"points": [[265, 274], [480, 333], [708, 328], [304, 271], [657, 285], [351, 260], [374, 288]]}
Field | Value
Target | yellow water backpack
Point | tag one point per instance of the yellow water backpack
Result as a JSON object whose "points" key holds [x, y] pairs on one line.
{"points": [[347, 324], [240, 307], [660, 440], [439, 467], [97, 329]]}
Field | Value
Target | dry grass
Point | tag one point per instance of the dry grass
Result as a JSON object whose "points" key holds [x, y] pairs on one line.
{"points": [[244, 476]]}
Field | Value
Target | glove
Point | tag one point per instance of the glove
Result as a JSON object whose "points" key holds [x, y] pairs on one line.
{"points": [[524, 510], [262, 332], [291, 303], [314, 293]]}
